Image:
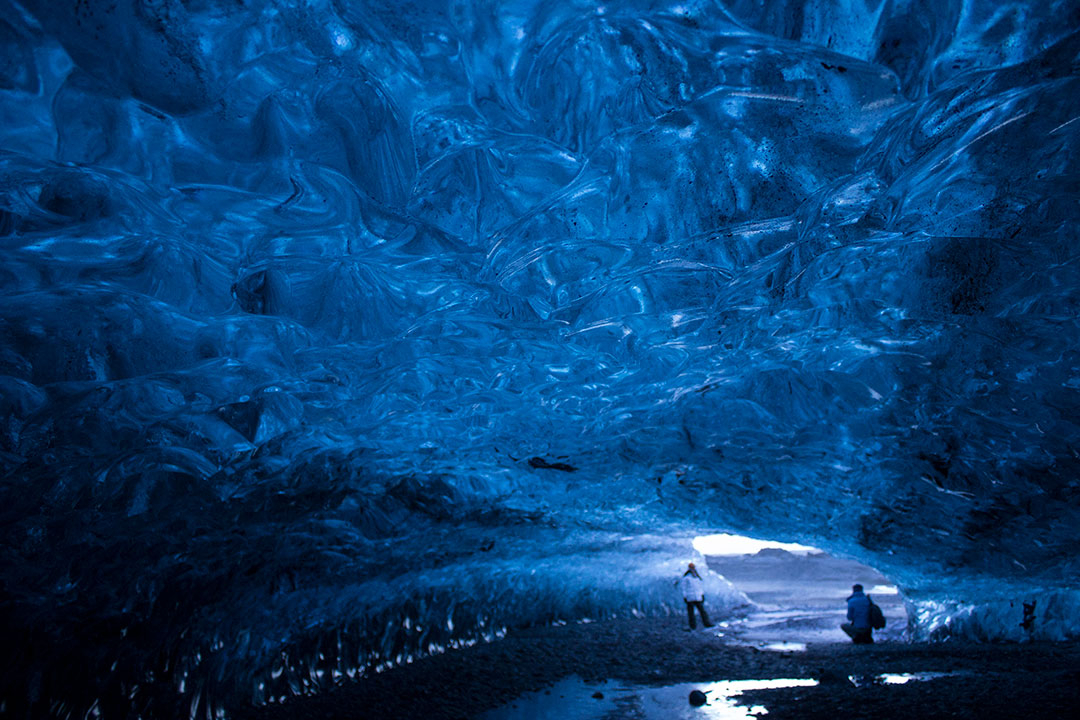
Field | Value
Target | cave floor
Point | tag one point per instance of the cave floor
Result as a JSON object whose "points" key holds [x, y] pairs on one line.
{"points": [[984, 681]]}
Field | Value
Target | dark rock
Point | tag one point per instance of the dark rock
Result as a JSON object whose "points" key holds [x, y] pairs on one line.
{"points": [[833, 677], [697, 698]]}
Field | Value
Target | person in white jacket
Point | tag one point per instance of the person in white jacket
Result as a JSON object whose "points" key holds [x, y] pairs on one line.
{"points": [[693, 591]]}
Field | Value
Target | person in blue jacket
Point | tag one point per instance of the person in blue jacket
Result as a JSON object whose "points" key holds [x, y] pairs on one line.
{"points": [[858, 615]]}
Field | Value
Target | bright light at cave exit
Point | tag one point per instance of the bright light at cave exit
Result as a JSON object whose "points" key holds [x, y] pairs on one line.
{"points": [[725, 544]]}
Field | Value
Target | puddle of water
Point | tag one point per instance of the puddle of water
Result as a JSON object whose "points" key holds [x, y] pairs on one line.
{"points": [[784, 647], [896, 678], [573, 699]]}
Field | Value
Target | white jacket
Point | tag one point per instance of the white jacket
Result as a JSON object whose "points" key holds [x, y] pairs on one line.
{"points": [[693, 590]]}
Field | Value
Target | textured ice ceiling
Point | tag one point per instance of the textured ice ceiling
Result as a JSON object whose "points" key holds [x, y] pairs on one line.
{"points": [[332, 331]]}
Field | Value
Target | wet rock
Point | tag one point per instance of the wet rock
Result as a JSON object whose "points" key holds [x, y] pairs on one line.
{"points": [[833, 677], [698, 698]]}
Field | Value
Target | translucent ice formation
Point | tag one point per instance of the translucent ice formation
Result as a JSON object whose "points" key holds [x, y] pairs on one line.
{"points": [[337, 332]]}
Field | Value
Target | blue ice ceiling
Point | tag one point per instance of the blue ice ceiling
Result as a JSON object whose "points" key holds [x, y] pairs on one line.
{"points": [[335, 332]]}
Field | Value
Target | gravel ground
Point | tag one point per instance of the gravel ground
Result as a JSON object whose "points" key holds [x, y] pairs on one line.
{"points": [[1034, 680]]}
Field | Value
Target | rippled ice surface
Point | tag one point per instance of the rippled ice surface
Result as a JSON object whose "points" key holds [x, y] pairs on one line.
{"points": [[336, 333]]}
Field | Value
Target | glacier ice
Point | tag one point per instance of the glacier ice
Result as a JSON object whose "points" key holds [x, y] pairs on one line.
{"points": [[333, 333]]}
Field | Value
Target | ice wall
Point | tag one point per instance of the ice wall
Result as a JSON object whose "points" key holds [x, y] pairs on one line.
{"points": [[335, 332]]}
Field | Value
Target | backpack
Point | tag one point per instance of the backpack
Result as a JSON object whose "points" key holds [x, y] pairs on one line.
{"points": [[877, 618]]}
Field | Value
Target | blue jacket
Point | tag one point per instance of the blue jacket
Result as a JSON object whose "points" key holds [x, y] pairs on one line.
{"points": [[858, 611]]}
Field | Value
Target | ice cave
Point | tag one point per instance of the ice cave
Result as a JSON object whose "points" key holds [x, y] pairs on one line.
{"points": [[337, 334]]}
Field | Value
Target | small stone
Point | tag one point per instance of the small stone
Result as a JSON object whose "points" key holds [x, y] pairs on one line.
{"points": [[598, 695], [697, 698]]}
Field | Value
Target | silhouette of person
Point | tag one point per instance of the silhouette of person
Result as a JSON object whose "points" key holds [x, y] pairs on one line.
{"points": [[1029, 617], [693, 591], [858, 615]]}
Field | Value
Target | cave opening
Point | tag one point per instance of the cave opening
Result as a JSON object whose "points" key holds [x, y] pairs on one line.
{"points": [[798, 591]]}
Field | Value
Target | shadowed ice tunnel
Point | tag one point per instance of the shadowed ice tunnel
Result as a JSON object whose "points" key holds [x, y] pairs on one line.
{"points": [[334, 333]]}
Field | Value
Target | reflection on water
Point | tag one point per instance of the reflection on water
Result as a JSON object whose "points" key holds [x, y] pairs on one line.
{"points": [[784, 647], [896, 678], [573, 699]]}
